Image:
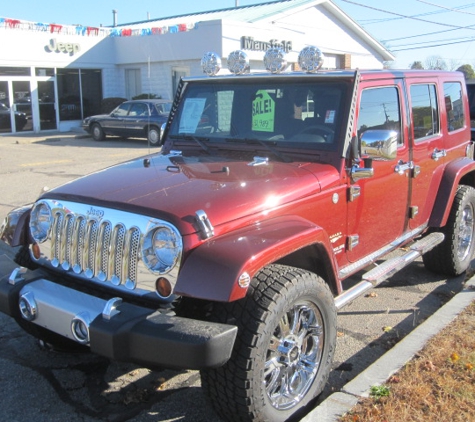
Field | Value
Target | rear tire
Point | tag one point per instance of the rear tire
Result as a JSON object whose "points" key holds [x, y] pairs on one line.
{"points": [[153, 136], [452, 257], [284, 349], [97, 132]]}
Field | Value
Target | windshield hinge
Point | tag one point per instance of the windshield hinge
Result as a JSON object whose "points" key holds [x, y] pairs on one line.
{"points": [[204, 225]]}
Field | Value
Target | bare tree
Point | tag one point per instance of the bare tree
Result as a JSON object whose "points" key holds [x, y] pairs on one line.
{"points": [[435, 62]]}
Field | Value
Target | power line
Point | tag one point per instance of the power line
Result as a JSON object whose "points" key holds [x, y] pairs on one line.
{"points": [[435, 12], [432, 46], [449, 9], [428, 33], [403, 16]]}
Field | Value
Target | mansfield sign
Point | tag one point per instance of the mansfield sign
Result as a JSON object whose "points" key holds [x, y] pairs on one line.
{"points": [[249, 43]]}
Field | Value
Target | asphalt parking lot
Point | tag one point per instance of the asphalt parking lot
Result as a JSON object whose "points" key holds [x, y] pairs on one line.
{"points": [[85, 387]]}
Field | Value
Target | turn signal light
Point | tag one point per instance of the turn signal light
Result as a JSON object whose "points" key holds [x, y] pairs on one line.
{"points": [[163, 287]]}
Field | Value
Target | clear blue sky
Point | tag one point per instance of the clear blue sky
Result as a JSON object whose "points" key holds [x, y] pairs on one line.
{"points": [[411, 29]]}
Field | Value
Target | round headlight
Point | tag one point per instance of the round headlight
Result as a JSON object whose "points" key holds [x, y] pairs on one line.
{"points": [[40, 221], [161, 249]]}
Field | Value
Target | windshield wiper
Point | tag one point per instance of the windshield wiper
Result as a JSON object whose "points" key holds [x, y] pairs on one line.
{"points": [[277, 153], [193, 138]]}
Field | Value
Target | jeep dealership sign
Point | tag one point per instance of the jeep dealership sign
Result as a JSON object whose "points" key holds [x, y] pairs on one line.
{"points": [[62, 47], [249, 43]]}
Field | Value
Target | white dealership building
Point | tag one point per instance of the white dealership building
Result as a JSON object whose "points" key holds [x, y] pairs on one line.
{"points": [[58, 74]]}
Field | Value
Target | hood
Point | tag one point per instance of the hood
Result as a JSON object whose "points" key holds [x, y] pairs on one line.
{"points": [[174, 187]]}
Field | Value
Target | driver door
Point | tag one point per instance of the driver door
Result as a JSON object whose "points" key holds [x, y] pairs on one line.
{"points": [[378, 215]]}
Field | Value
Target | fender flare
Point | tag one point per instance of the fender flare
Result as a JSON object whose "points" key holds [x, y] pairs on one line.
{"points": [[454, 173], [13, 230], [212, 270]]}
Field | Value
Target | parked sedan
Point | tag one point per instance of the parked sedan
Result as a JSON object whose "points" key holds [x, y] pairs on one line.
{"points": [[5, 119], [135, 119]]}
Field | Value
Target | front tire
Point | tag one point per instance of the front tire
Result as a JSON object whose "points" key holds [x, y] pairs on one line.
{"points": [[284, 349], [452, 257], [97, 132], [153, 136]]}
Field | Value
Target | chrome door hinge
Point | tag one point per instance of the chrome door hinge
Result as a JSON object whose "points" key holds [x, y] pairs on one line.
{"points": [[354, 192], [353, 241]]}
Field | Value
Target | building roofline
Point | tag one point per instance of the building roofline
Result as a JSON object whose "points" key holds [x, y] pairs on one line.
{"points": [[328, 5]]}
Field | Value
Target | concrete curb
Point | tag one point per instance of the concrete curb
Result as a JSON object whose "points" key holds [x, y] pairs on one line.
{"points": [[335, 406], [30, 138]]}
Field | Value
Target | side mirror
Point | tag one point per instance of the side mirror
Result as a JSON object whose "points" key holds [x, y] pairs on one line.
{"points": [[357, 172], [380, 144]]}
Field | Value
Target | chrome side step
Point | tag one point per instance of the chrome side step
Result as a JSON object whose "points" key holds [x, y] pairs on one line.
{"points": [[388, 268]]}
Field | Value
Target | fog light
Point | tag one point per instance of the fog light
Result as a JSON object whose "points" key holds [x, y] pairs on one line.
{"points": [[80, 328], [28, 308], [163, 287]]}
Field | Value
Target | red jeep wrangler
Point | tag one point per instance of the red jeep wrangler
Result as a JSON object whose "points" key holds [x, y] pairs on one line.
{"points": [[228, 251]]}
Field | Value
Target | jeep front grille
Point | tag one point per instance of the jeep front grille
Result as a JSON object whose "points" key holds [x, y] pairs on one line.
{"points": [[101, 245]]}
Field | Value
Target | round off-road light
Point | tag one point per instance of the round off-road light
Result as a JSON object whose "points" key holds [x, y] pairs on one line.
{"points": [[310, 59], [211, 63], [238, 62], [274, 60]]}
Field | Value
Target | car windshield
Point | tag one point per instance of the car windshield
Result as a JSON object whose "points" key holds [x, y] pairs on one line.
{"points": [[305, 114]]}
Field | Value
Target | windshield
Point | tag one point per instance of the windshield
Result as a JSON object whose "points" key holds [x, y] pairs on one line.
{"points": [[293, 114]]}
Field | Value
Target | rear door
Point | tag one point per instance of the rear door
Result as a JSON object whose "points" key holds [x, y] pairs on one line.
{"points": [[428, 147], [137, 119], [378, 215]]}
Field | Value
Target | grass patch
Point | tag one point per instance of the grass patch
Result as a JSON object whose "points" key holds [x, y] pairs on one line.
{"points": [[437, 385]]}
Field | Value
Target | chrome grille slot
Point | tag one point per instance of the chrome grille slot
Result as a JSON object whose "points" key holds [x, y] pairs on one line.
{"points": [[90, 248], [78, 244], [131, 256], [116, 254], [67, 243], [103, 251], [56, 239], [100, 245]]}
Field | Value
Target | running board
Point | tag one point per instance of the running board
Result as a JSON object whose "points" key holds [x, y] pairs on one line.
{"points": [[388, 268]]}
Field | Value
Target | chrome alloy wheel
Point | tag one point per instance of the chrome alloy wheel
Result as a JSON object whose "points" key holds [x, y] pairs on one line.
{"points": [[465, 233], [294, 355]]}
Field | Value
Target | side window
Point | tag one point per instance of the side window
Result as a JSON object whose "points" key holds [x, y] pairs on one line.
{"points": [[138, 109], [425, 111], [379, 110], [122, 110], [454, 106]]}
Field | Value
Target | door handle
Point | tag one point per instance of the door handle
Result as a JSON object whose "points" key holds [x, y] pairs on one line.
{"points": [[439, 153], [401, 167]]}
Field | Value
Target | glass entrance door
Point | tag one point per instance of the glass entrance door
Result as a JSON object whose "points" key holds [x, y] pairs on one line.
{"points": [[22, 106], [47, 105], [5, 113]]}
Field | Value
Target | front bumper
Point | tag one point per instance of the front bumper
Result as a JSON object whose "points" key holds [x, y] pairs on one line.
{"points": [[115, 329]]}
